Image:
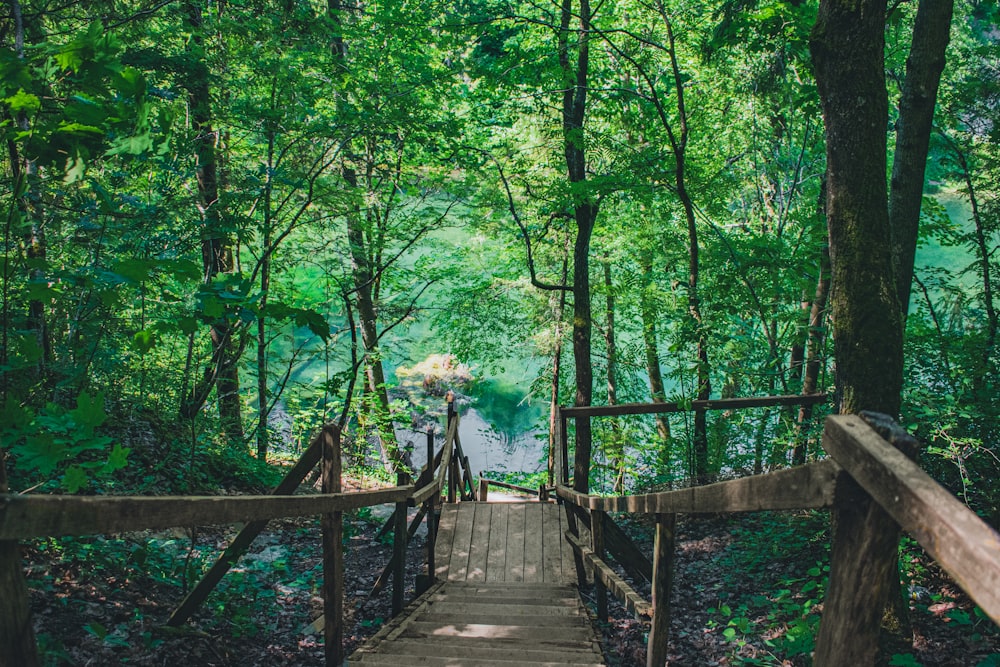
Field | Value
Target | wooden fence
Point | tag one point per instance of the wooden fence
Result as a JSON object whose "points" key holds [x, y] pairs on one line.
{"points": [[871, 487], [30, 516]]}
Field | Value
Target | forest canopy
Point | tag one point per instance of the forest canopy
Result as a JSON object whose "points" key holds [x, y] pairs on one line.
{"points": [[227, 223]]}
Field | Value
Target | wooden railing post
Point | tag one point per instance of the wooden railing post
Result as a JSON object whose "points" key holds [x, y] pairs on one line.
{"points": [[17, 638], [663, 581], [429, 509], [597, 543], [399, 550], [564, 447], [333, 554], [864, 572]]}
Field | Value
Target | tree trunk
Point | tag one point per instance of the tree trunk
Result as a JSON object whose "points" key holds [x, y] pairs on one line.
{"points": [[216, 249], [364, 280], [656, 390], [557, 368], [574, 110], [26, 181], [931, 31], [617, 444], [817, 334], [847, 44], [263, 406], [983, 252]]}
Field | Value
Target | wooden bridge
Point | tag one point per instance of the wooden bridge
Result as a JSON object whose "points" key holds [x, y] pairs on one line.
{"points": [[500, 585], [506, 591]]}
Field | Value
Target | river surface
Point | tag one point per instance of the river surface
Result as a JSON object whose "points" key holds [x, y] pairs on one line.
{"points": [[487, 448]]}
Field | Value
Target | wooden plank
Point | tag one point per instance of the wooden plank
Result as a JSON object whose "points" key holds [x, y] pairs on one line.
{"points": [[965, 546], [445, 539], [433, 648], [332, 526], [497, 557], [515, 543], [496, 608], [17, 637], [539, 619], [621, 546], [714, 404], [552, 570], [460, 549], [568, 557], [399, 551], [480, 542], [28, 516], [663, 583], [597, 544], [534, 534], [802, 487], [614, 583], [478, 630]]}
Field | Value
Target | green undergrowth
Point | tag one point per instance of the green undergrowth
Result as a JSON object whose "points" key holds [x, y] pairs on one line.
{"points": [[767, 581]]}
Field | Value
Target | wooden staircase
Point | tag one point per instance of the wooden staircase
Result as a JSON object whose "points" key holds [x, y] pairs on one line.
{"points": [[505, 596]]}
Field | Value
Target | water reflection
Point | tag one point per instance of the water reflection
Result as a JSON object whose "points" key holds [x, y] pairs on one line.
{"points": [[488, 448]]}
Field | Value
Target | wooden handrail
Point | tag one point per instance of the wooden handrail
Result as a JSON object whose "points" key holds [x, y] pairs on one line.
{"points": [[713, 404], [961, 542], [805, 487], [28, 516]]}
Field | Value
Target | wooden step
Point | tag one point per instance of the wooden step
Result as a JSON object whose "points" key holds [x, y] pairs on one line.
{"points": [[471, 661], [452, 649]]}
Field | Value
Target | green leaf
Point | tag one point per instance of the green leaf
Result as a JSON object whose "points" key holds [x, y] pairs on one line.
{"points": [[117, 459], [42, 452], [134, 270], [13, 416], [74, 479], [89, 410], [24, 102], [144, 341]]}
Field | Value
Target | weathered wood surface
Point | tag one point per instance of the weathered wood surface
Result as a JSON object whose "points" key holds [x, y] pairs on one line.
{"points": [[803, 487], [611, 580], [951, 533], [502, 542], [17, 638], [488, 625], [714, 404], [663, 583], [28, 516], [636, 564], [332, 526]]}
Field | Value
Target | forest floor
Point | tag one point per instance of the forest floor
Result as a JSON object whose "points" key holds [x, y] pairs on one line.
{"points": [[747, 591]]}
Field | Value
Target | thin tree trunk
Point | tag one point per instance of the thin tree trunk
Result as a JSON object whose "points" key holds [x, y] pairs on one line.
{"points": [[263, 405], [983, 251], [584, 213], [703, 371], [617, 437], [656, 389], [29, 204], [216, 249], [817, 335], [931, 31], [556, 367]]}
